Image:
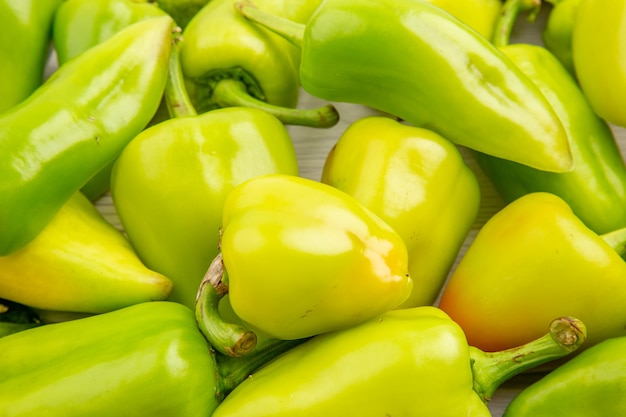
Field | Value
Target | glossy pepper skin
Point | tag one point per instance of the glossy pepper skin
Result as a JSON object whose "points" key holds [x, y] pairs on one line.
{"points": [[418, 183], [596, 188], [24, 47], [415, 61], [599, 51], [557, 34], [77, 123], [169, 185], [410, 362], [304, 258], [229, 61], [480, 15], [590, 384], [534, 260], [79, 263]]}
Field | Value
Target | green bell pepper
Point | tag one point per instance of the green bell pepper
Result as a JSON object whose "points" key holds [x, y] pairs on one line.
{"points": [[169, 184], [79, 263], [419, 184], [147, 359], [15, 317], [415, 61], [531, 261], [596, 188], [77, 123], [229, 61], [303, 258], [24, 47], [410, 362], [557, 34], [599, 52], [591, 384]]}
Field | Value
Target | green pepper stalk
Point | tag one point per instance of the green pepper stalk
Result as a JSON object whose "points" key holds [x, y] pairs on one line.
{"points": [[596, 187], [591, 384], [409, 362], [599, 50], [24, 47], [419, 184], [146, 359], [169, 184], [72, 127], [230, 62], [557, 34], [415, 61], [531, 261]]}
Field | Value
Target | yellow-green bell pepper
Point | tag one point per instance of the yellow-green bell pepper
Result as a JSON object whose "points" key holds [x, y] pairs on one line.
{"points": [[417, 182], [531, 261]]}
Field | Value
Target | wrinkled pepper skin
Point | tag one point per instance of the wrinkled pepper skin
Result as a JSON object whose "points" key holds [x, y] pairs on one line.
{"points": [[410, 362], [599, 51], [534, 260], [169, 185], [77, 123], [592, 384], [596, 188], [24, 47], [81, 24], [473, 96], [147, 359], [79, 263], [419, 184], [220, 43], [480, 15], [304, 258], [557, 34]]}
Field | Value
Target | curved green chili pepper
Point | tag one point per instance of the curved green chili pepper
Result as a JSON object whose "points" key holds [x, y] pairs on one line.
{"points": [[24, 46], [170, 182], [591, 384], [557, 34], [596, 188], [229, 61], [77, 123], [410, 362], [147, 359], [413, 60]]}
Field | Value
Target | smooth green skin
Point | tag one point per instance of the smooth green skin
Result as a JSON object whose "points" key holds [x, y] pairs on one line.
{"points": [[557, 34], [596, 187], [147, 359], [170, 183], [599, 51], [24, 47], [480, 15], [591, 384], [77, 123], [411, 59], [81, 24], [304, 258], [532, 261], [218, 41], [419, 184], [409, 362]]}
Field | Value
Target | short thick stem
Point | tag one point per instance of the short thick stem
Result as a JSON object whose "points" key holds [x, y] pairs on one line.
{"points": [[287, 29], [178, 102], [492, 369], [509, 13], [230, 92]]}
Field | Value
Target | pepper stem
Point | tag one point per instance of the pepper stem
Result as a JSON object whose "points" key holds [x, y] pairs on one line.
{"points": [[227, 338], [509, 13], [617, 240], [288, 29], [492, 369], [176, 98], [231, 92]]}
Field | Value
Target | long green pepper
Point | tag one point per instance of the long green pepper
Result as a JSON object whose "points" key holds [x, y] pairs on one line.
{"points": [[77, 123]]}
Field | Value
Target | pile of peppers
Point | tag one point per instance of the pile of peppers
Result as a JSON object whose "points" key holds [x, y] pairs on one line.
{"points": [[234, 286]]}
